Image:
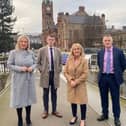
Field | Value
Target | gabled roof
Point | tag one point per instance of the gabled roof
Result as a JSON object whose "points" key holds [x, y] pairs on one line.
{"points": [[47, 1], [84, 19]]}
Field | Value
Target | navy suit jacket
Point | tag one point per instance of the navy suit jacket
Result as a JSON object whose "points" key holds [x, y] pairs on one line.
{"points": [[119, 64]]}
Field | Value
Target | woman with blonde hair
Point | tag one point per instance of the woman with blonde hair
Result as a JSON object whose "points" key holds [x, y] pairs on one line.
{"points": [[22, 63], [76, 71]]}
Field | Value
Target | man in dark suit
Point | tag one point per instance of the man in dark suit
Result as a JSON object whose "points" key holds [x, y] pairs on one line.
{"points": [[49, 65], [111, 62]]}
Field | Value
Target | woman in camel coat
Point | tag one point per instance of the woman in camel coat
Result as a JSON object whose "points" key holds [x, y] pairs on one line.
{"points": [[76, 71]]}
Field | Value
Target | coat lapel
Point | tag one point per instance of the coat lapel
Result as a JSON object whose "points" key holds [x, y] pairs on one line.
{"points": [[114, 57], [73, 64], [55, 55], [46, 53], [78, 63], [102, 58]]}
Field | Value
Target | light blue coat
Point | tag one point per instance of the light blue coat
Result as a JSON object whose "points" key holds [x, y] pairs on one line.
{"points": [[22, 83]]}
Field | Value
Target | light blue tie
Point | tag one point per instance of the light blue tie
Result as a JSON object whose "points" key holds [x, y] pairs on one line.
{"points": [[108, 61]]}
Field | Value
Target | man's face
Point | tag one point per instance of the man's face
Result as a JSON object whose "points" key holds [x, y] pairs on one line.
{"points": [[50, 41], [107, 41]]}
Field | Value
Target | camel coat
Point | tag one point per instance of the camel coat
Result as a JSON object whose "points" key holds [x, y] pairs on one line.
{"points": [[79, 72]]}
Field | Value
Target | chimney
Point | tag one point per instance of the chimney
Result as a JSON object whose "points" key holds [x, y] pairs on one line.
{"points": [[103, 15], [113, 27], [60, 13], [124, 28], [103, 18], [81, 8], [67, 14]]}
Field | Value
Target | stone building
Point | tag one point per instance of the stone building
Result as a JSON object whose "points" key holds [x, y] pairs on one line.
{"points": [[35, 38], [119, 36], [80, 27], [77, 27], [47, 19]]}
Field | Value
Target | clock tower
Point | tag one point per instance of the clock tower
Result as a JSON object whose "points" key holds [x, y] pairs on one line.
{"points": [[47, 17], [47, 14]]}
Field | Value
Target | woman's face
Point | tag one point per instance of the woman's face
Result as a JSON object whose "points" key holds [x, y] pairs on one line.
{"points": [[23, 43], [76, 51]]}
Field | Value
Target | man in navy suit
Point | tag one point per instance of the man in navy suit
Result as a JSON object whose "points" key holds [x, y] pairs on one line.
{"points": [[112, 63]]}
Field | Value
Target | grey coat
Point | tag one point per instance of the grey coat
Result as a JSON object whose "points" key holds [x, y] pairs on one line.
{"points": [[43, 66], [22, 83]]}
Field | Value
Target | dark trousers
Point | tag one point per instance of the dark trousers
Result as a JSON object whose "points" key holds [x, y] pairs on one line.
{"points": [[108, 83], [83, 109], [53, 94]]}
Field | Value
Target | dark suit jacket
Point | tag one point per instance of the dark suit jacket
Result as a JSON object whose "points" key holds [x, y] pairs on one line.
{"points": [[119, 63]]}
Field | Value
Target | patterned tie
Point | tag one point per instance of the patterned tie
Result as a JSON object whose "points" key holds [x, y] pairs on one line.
{"points": [[52, 63], [108, 61]]}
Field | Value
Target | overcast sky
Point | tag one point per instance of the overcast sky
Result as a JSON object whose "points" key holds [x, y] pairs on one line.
{"points": [[29, 15]]}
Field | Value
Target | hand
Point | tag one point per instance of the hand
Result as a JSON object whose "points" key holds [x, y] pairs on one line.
{"points": [[24, 69], [73, 83], [29, 69]]}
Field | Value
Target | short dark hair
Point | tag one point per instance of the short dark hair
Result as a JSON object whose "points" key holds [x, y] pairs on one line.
{"points": [[107, 35], [53, 34]]}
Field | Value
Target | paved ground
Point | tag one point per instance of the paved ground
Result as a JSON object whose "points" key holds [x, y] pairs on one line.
{"points": [[8, 115]]}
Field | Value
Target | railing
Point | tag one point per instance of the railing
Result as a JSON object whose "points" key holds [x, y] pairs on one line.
{"points": [[92, 78], [3, 66], [4, 72]]}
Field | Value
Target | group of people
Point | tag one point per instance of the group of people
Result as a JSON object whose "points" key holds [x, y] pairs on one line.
{"points": [[22, 62]]}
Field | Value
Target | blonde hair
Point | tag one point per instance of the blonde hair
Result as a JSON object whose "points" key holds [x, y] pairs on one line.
{"points": [[74, 45], [17, 47]]}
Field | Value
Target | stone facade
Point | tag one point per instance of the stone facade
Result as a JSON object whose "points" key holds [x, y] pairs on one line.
{"points": [[47, 19], [34, 38], [77, 27], [80, 27], [119, 36]]}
